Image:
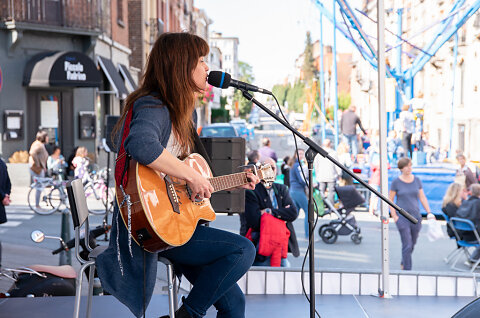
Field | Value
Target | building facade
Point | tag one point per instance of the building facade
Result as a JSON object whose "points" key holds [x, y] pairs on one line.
{"points": [[448, 90], [150, 18], [344, 70], [228, 46], [61, 71]]}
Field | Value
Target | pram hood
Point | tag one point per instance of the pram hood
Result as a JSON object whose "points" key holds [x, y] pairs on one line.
{"points": [[349, 196]]}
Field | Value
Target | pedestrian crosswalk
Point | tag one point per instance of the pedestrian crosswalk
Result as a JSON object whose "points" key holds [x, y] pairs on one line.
{"points": [[16, 215]]}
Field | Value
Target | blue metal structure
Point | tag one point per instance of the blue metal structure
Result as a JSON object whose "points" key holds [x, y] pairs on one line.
{"points": [[335, 80], [455, 54], [322, 77], [460, 12]]}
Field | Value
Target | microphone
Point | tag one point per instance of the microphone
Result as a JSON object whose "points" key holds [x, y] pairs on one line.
{"points": [[224, 80]]}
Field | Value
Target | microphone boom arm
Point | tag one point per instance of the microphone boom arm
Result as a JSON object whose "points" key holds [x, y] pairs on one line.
{"points": [[314, 146]]}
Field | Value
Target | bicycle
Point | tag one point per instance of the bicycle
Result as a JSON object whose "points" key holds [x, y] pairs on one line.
{"points": [[51, 195], [96, 192]]}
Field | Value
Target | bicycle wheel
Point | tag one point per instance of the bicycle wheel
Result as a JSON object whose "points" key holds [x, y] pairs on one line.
{"points": [[44, 206], [94, 200], [111, 198], [58, 196]]}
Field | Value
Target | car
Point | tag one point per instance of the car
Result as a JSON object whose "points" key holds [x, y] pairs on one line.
{"points": [[317, 131], [241, 127], [219, 130]]}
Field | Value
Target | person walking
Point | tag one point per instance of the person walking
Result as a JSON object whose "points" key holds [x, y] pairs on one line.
{"points": [[5, 190], [407, 124], [407, 189], [464, 175], [285, 170], [266, 150], [275, 200], [327, 173], [157, 127], [298, 184], [348, 126], [253, 158], [37, 161]]}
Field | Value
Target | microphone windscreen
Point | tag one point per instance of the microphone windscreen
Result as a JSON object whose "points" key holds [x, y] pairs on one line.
{"points": [[219, 79]]}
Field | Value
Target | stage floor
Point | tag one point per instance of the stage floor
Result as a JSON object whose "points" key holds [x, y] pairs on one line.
{"points": [[265, 306]]}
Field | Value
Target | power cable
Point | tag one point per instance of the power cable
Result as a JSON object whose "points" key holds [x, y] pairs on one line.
{"points": [[311, 235]]}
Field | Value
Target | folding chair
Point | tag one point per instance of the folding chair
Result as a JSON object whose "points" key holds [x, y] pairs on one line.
{"points": [[78, 207], [457, 250], [467, 228]]}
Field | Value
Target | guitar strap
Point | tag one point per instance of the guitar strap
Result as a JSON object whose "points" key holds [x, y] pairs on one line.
{"points": [[121, 165], [200, 149]]}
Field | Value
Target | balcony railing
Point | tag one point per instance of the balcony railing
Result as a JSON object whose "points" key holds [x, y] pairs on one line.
{"points": [[78, 14]]}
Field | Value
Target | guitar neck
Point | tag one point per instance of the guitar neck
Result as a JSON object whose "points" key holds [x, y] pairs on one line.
{"points": [[228, 181]]}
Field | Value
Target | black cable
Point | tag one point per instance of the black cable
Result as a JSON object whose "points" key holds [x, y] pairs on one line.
{"points": [[140, 240], [311, 235], [144, 284]]}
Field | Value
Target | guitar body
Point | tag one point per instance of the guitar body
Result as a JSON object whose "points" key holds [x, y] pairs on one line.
{"points": [[161, 211]]}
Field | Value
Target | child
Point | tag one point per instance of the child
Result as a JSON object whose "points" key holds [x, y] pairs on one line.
{"points": [[80, 162]]}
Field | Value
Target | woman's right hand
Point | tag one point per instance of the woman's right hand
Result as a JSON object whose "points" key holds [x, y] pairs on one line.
{"points": [[199, 185], [395, 217]]}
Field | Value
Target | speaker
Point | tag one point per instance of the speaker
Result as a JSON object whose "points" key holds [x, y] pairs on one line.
{"points": [[471, 310], [226, 154], [110, 122]]}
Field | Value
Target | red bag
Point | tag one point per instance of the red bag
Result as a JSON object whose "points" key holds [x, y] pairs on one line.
{"points": [[274, 237]]}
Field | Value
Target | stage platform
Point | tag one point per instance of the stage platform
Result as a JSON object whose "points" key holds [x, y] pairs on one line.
{"points": [[265, 306]]}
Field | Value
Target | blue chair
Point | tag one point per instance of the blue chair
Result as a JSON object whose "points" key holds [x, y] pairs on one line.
{"points": [[467, 228], [457, 250]]}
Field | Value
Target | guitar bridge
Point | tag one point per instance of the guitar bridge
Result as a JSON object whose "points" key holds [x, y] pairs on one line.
{"points": [[172, 194]]}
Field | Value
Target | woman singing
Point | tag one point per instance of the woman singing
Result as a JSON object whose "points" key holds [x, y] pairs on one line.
{"points": [[162, 129]]}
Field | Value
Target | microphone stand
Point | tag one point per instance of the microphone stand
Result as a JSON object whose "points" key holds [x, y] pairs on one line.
{"points": [[310, 154]]}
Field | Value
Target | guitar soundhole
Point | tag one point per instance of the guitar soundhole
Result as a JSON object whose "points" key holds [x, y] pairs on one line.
{"points": [[143, 234]]}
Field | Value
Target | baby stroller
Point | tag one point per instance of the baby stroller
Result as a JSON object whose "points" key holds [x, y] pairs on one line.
{"points": [[346, 223]]}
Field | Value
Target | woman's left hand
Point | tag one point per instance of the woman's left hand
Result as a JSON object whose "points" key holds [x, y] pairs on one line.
{"points": [[253, 180]]}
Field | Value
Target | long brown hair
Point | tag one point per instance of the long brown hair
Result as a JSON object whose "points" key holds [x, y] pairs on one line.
{"points": [[453, 195], [168, 73]]}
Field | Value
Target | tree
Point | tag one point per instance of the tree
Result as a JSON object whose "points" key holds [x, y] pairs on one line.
{"points": [[296, 97], [245, 75], [308, 67], [344, 100], [223, 101], [281, 92]]}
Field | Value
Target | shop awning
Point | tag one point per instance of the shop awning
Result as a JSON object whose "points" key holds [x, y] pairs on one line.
{"points": [[113, 77], [67, 69], [125, 73]]}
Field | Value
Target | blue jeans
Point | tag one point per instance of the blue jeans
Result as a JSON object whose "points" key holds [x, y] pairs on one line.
{"points": [[283, 263], [408, 235], [351, 141], [301, 202], [38, 188], [213, 261]]}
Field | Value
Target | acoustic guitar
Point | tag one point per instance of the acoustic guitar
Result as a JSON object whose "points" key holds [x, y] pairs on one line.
{"points": [[162, 215]]}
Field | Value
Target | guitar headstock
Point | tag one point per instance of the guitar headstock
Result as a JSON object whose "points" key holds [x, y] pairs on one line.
{"points": [[266, 173]]}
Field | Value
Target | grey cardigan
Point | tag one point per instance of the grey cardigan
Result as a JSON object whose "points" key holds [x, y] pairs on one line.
{"points": [[149, 133]]}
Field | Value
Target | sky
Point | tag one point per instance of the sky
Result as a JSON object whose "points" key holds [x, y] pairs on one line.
{"points": [[271, 33]]}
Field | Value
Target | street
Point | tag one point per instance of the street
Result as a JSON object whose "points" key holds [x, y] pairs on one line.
{"points": [[343, 254]]}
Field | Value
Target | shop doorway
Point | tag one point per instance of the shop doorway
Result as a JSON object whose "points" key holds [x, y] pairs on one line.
{"points": [[52, 111]]}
